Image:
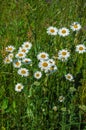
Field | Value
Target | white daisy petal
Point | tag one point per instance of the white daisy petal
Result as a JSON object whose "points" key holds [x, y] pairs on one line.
{"points": [[23, 72], [19, 87], [75, 26], [37, 75], [63, 32], [52, 30]]}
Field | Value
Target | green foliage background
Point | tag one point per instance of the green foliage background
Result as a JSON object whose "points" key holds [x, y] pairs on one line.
{"points": [[27, 20]]}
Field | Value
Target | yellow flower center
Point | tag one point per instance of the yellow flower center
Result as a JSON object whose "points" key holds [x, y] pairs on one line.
{"points": [[37, 75], [43, 56], [19, 87], [20, 54], [64, 53], [63, 31], [75, 26], [26, 46], [23, 50], [45, 64], [69, 77], [17, 63], [52, 30], [7, 60], [81, 48], [9, 49], [23, 72]]}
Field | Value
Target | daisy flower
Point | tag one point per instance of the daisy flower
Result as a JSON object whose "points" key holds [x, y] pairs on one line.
{"points": [[10, 48], [63, 32], [53, 68], [61, 98], [27, 45], [63, 54], [55, 108], [11, 55], [52, 30], [27, 60], [7, 60], [42, 56], [23, 72], [51, 61], [69, 77], [37, 75], [18, 87], [17, 64], [81, 48], [75, 26], [44, 65], [22, 49], [20, 55]]}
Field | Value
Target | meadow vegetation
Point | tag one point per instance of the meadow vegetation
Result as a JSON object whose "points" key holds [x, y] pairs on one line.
{"points": [[42, 65]]}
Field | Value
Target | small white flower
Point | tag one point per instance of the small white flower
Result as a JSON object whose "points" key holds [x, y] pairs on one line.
{"points": [[27, 60], [75, 26], [11, 55], [63, 55], [37, 74], [10, 48], [55, 108], [7, 60], [27, 45], [23, 49], [44, 65], [61, 98], [19, 87], [81, 48], [20, 55], [23, 72], [69, 77], [52, 30], [52, 62], [42, 56], [63, 32], [17, 64]]}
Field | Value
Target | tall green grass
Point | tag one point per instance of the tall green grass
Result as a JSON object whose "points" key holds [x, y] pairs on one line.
{"points": [[34, 107]]}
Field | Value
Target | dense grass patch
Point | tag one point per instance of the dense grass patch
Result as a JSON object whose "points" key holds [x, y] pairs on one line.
{"points": [[53, 101]]}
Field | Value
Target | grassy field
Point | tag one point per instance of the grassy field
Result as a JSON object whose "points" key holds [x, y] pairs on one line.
{"points": [[52, 102]]}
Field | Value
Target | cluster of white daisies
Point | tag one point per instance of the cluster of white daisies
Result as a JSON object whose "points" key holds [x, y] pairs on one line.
{"points": [[46, 64], [18, 60], [63, 31]]}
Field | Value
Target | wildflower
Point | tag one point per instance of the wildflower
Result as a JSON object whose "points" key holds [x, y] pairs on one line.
{"points": [[27, 45], [44, 65], [20, 55], [23, 72], [37, 74], [42, 56], [7, 60], [52, 62], [55, 108], [52, 30], [18, 87], [23, 49], [63, 32], [27, 60], [75, 26], [81, 48], [10, 48], [63, 54], [69, 77], [17, 64], [61, 98], [11, 55]]}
